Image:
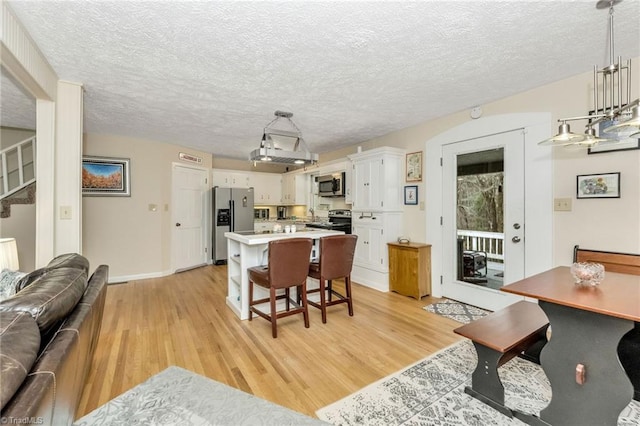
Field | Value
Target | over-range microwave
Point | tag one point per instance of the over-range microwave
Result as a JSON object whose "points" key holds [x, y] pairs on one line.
{"points": [[331, 185]]}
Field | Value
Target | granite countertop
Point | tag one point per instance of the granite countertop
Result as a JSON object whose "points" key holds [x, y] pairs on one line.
{"points": [[254, 238]]}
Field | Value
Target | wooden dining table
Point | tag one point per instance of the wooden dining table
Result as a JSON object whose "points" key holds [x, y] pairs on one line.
{"points": [[588, 383]]}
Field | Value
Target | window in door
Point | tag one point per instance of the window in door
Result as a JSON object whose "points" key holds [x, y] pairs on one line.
{"points": [[480, 218]]}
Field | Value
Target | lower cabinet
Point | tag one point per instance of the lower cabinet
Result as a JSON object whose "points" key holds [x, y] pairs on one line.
{"points": [[410, 269], [371, 260]]}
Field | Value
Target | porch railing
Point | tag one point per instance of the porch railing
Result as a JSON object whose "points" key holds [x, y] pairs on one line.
{"points": [[490, 242]]}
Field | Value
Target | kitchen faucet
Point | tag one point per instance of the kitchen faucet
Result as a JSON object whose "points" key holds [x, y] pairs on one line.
{"points": [[313, 214]]}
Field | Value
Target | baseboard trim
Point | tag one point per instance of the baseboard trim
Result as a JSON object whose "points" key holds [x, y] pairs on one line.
{"points": [[124, 278], [370, 278]]}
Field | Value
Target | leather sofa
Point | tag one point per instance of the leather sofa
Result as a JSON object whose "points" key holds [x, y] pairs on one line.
{"points": [[48, 334]]}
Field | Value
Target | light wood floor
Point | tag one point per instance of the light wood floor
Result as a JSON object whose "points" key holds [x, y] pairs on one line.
{"points": [[183, 320]]}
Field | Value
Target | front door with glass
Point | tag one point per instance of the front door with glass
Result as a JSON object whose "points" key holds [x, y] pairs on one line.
{"points": [[483, 218]]}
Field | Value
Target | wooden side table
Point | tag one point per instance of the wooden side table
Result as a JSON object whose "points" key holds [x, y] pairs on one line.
{"points": [[410, 269]]}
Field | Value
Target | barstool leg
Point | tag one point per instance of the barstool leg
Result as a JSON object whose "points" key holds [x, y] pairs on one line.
{"points": [[250, 299], [347, 286], [272, 302], [305, 306], [287, 299], [323, 302]]}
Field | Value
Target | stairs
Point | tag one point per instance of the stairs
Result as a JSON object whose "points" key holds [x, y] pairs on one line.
{"points": [[17, 175], [26, 195]]}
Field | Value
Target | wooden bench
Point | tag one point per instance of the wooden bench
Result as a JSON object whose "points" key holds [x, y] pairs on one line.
{"points": [[624, 263], [629, 347], [498, 337]]}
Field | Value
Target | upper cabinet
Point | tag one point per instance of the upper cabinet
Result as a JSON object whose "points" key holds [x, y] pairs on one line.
{"points": [[295, 186], [230, 178], [267, 188], [376, 179]]}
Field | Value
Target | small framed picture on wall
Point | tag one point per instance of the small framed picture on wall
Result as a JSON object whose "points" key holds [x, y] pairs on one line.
{"points": [[411, 195], [414, 166], [603, 185]]}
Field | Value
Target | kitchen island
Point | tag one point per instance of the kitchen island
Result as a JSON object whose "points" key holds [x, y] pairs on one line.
{"points": [[247, 249]]}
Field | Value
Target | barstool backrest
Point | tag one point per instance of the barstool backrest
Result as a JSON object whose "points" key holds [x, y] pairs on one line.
{"points": [[336, 255], [289, 261]]}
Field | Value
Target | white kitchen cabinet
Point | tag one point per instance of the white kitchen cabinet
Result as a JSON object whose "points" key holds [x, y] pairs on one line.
{"points": [[267, 188], [371, 258], [295, 186], [230, 178], [368, 248], [377, 179]]}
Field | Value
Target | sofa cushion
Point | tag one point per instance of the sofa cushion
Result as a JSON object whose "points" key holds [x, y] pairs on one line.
{"points": [[68, 260], [19, 343], [8, 282], [50, 298]]}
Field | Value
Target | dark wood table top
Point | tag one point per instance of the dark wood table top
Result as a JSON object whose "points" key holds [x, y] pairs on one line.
{"points": [[618, 295]]}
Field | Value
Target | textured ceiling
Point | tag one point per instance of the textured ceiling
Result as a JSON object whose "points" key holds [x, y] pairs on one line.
{"points": [[209, 75]]}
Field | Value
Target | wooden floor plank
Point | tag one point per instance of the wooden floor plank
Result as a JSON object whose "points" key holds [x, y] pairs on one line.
{"points": [[183, 320]]}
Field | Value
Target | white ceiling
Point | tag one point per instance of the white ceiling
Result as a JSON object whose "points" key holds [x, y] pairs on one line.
{"points": [[209, 75]]}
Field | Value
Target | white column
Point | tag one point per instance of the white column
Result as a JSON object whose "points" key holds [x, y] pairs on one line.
{"points": [[45, 177], [68, 169]]}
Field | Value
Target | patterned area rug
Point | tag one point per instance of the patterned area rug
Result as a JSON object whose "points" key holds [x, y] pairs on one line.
{"points": [[457, 311], [431, 392], [177, 396]]}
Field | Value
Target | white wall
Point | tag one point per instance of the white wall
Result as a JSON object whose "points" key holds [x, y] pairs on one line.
{"points": [[21, 224], [606, 224], [123, 232]]}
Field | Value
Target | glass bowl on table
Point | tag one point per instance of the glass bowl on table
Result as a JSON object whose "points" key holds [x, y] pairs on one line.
{"points": [[587, 273]]}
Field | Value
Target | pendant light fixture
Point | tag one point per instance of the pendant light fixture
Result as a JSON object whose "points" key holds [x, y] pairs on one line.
{"points": [[283, 146], [611, 100]]}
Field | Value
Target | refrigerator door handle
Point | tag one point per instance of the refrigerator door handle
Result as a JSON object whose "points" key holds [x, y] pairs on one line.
{"points": [[232, 213]]}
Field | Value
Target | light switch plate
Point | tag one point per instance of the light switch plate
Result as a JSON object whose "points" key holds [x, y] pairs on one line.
{"points": [[65, 212], [562, 204]]}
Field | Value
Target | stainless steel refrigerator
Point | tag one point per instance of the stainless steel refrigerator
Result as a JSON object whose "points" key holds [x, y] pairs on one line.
{"points": [[232, 211]]}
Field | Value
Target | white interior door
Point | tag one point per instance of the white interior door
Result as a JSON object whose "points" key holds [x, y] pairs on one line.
{"points": [[189, 219], [483, 189]]}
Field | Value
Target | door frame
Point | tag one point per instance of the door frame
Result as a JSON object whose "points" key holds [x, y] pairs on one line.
{"points": [[538, 182], [485, 297], [206, 228]]}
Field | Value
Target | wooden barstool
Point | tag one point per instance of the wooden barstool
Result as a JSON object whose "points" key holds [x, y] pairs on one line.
{"points": [[288, 267], [336, 261]]}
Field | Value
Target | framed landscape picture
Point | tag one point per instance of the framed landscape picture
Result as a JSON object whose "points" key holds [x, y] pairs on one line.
{"points": [[105, 176]]}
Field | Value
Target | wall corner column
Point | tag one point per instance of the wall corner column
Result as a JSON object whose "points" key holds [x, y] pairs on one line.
{"points": [[68, 168]]}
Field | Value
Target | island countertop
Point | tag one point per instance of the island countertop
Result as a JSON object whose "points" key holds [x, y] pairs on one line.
{"points": [[254, 238], [249, 248]]}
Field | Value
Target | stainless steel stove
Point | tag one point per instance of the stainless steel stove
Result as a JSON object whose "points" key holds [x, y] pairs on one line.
{"points": [[339, 220]]}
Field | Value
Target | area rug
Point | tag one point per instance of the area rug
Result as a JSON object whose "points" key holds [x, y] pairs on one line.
{"points": [[177, 396], [431, 392], [457, 311]]}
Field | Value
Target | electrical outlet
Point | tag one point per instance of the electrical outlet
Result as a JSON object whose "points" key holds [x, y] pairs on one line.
{"points": [[65, 212], [562, 204]]}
